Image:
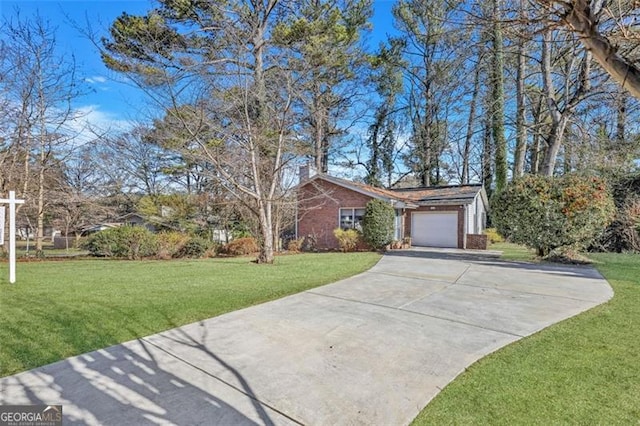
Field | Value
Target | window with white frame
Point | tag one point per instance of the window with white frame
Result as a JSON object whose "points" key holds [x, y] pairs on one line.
{"points": [[351, 218]]}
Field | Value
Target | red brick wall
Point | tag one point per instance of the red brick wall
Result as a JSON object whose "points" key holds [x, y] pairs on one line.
{"points": [[477, 242], [318, 210], [459, 209]]}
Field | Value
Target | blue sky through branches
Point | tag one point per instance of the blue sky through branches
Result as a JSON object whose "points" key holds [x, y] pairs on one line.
{"points": [[109, 102]]}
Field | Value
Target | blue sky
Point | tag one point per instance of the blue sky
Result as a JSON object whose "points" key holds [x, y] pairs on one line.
{"points": [[109, 102]]}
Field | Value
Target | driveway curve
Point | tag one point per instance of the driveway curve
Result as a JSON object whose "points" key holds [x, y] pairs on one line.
{"points": [[371, 349]]}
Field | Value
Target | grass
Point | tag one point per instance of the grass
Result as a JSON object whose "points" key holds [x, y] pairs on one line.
{"points": [[28, 248], [581, 371], [64, 308], [514, 252]]}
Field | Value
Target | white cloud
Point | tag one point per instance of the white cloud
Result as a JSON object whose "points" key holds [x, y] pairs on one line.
{"points": [[97, 79], [90, 122]]}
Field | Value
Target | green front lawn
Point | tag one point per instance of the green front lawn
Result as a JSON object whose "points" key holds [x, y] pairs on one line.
{"points": [[64, 308], [514, 252], [582, 371]]}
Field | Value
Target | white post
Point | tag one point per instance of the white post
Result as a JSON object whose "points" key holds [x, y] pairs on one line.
{"points": [[12, 233]]}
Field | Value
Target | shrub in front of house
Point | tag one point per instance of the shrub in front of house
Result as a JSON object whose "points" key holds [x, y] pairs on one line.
{"points": [[553, 213], [170, 243], [295, 245], [347, 238], [241, 247], [377, 224], [493, 236], [623, 234], [129, 242], [195, 247]]}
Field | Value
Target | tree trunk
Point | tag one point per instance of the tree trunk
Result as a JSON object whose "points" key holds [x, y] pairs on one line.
{"points": [[425, 167], [567, 163], [582, 20], [466, 151], [66, 234], [276, 229], [535, 154], [487, 176], [318, 127], [521, 131], [621, 119], [554, 142], [40, 219], [373, 169], [261, 159], [497, 110], [266, 228], [534, 149], [427, 142], [559, 118], [325, 143]]}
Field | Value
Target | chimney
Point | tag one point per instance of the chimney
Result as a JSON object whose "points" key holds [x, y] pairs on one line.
{"points": [[303, 173]]}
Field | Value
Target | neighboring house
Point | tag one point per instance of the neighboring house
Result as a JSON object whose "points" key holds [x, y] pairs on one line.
{"points": [[130, 219], [27, 233], [438, 216], [135, 219], [154, 224], [92, 229]]}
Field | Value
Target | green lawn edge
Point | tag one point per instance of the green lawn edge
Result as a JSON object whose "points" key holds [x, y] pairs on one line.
{"points": [[580, 371], [58, 309]]}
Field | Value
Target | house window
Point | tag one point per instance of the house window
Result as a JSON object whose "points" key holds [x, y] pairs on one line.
{"points": [[351, 218]]}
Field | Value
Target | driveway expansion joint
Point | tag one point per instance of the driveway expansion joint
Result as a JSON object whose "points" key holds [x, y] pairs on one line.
{"points": [[532, 293], [418, 313], [223, 381], [462, 274], [411, 277]]}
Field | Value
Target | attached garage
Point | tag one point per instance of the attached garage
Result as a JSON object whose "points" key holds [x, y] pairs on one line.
{"points": [[434, 229]]}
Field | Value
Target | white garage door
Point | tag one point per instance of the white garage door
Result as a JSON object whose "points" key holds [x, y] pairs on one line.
{"points": [[434, 229]]}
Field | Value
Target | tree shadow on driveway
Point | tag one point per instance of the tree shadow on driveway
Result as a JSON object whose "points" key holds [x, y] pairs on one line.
{"points": [[134, 383], [492, 259]]}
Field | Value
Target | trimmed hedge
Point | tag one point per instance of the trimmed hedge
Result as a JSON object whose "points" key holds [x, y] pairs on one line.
{"points": [[136, 242], [129, 242], [550, 213], [377, 224], [347, 238]]}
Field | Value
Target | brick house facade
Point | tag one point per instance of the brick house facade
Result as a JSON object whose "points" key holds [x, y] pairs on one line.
{"points": [[326, 203], [319, 210]]}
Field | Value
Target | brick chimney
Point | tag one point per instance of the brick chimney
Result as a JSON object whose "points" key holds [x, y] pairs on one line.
{"points": [[303, 172]]}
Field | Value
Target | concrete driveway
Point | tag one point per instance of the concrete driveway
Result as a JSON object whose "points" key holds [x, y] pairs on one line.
{"points": [[371, 349]]}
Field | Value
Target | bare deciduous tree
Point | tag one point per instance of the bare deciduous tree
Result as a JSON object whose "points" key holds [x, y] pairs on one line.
{"points": [[225, 92], [40, 92]]}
